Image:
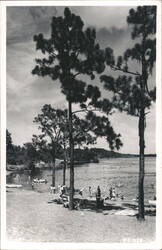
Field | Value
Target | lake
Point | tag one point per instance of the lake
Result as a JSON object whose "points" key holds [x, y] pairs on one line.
{"points": [[121, 173]]}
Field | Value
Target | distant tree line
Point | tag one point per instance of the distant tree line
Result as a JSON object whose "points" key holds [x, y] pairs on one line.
{"points": [[18, 155], [24, 155], [14, 154]]}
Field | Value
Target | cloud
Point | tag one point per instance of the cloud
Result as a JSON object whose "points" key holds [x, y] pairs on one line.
{"points": [[24, 22], [20, 61], [25, 103], [42, 13], [33, 96], [103, 16]]}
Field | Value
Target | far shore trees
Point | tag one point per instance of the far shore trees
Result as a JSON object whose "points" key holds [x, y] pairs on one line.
{"points": [[10, 153], [131, 91], [14, 154], [70, 52], [53, 124], [31, 156]]}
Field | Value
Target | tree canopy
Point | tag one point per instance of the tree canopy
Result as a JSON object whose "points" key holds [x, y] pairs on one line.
{"points": [[53, 124], [130, 89], [127, 87], [71, 51]]}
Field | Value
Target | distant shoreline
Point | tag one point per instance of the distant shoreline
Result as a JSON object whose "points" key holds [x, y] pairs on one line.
{"points": [[103, 153], [132, 155], [83, 157]]}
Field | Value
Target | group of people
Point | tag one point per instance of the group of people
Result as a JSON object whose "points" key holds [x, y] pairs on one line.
{"points": [[113, 194], [63, 195]]}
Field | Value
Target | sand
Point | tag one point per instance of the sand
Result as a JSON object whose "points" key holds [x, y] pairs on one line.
{"points": [[31, 216]]}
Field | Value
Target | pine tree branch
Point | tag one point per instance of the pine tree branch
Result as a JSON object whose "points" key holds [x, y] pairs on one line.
{"points": [[85, 131], [125, 71], [77, 54], [86, 110], [78, 111], [147, 90], [53, 54], [147, 112], [76, 74]]}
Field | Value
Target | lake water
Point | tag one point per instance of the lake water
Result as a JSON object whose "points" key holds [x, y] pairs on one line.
{"points": [[122, 173]]}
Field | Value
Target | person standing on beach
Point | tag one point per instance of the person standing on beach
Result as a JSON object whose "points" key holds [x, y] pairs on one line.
{"points": [[98, 197], [113, 193], [110, 193], [90, 192]]}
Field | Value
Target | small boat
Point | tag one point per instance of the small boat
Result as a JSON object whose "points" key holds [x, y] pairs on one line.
{"points": [[13, 186], [152, 202], [39, 180], [10, 168]]}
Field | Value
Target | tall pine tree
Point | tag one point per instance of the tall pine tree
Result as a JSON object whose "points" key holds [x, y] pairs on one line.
{"points": [[131, 92], [70, 51]]}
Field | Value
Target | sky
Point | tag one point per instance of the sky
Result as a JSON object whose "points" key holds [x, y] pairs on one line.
{"points": [[26, 94]]}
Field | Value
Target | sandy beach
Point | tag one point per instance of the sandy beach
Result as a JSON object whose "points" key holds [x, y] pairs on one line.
{"points": [[32, 216]]}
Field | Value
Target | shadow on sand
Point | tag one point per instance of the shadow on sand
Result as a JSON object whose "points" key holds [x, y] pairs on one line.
{"points": [[124, 208]]}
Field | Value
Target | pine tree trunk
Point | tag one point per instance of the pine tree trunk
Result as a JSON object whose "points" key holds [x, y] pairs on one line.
{"points": [[141, 206], [71, 144], [64, 173], [64, 167], [53, 173], [141, 210], [53, 168]]}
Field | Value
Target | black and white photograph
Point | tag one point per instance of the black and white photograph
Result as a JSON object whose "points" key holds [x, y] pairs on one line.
{"points": [[81, 118]]}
